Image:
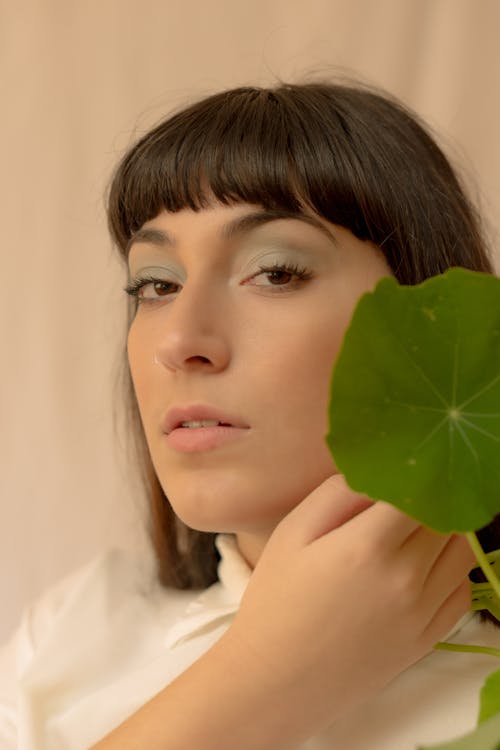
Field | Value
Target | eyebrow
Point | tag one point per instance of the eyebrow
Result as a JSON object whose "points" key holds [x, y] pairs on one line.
{"points": [[235, 228]]}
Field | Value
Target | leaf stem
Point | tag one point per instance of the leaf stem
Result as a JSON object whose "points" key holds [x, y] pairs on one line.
{"points": [[463, 647], [493, 555], [483, 562]]}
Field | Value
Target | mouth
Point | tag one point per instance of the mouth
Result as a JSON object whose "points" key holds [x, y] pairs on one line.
{"points": [[199, 416], [199, 427], [196, 424]]}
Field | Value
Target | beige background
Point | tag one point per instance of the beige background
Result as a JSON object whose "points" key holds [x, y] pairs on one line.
{"points": [[79, 78]]}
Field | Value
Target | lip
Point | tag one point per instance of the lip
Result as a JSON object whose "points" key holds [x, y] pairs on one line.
{"points": [[199, 439], [196, 412]]}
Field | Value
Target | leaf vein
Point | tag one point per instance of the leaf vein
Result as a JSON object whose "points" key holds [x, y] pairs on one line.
{"points": [[468, 444], [496, 438], [480, 392]]}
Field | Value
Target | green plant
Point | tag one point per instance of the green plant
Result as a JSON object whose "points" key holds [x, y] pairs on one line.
{"points": [[415, 421]]}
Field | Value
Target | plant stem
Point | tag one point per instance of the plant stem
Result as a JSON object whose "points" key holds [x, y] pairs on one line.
{"points": [[493, 555], [462, 647], [483, 562]]}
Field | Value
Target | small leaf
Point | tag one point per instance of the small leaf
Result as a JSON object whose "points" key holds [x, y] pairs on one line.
{"points": [[485, 737], [415, 399], [490, 697]]}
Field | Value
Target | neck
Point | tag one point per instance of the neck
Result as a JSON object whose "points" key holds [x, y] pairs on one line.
{"points": [[251, 545]]}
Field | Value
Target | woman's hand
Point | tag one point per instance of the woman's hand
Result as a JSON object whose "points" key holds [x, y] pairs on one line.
{"points": [[346, 594]]}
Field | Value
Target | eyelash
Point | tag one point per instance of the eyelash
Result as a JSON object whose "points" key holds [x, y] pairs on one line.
{"points": [[300, 273], [135, 285]]}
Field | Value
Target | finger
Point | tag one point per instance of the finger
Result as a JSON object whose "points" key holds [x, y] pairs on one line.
{"points": [[387, 527], [326, 508], [455, 606], [449, 570], [422, 549]]}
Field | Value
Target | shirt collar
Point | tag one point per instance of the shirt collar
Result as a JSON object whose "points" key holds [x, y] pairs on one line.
{"points": [[234, 571], [219, 603]]}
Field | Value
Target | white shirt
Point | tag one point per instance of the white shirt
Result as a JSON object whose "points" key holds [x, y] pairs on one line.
{"points": [[98, 645]]}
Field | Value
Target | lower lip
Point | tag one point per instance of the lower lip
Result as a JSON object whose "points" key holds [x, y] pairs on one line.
{"points": [[193, 439]]}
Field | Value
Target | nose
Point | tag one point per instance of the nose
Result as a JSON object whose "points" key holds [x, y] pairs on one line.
{"points": [[195, 332]]}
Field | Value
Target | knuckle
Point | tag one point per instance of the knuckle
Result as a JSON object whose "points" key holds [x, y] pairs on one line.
{"points": [[407, 585]]}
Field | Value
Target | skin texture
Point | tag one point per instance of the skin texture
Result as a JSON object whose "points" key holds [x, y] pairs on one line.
{"points": [[225, 335]]}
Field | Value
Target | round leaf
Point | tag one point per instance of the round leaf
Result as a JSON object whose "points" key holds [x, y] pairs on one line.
{"points": [[415, 399]]}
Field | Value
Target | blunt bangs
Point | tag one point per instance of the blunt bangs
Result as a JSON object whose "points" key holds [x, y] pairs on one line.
{"points": [[248, 145], [355, 157]]}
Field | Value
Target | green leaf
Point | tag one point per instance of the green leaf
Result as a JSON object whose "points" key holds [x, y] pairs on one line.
{"points": [[485, 737], [415, 399], [490, 697]]}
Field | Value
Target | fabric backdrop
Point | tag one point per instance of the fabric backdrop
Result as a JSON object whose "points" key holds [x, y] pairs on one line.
{"points": [[79, 80]]}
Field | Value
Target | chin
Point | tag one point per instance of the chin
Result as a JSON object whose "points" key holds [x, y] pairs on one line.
{"points": [[228, 523], [234, 515], [230, 501]]}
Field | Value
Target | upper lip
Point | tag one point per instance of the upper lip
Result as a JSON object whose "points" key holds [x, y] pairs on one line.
{"points": [[196, 412]]}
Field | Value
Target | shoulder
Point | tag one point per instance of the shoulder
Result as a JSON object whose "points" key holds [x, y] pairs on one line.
{"points": [[108, 568], [94, 596], [95, 621]]}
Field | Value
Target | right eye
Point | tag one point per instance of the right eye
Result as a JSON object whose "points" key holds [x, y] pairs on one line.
{"points": [[150, 288]]}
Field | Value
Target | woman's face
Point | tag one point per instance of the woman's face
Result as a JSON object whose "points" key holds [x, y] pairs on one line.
{"points": [[242, 326]]}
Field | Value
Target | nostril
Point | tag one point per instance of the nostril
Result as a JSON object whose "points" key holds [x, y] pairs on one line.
{"points": [[198, 358], [182, 350]]}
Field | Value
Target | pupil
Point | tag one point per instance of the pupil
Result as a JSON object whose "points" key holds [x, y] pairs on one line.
{"points": [[159, 287], [279, 276]]}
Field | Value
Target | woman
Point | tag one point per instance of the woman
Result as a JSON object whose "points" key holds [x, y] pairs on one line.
{"points": [[251, 222]]}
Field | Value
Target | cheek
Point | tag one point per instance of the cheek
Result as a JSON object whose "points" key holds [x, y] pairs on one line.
{"points": [[298, 367], [293, 405], [133, 348], [141, 364], [135, 356]]}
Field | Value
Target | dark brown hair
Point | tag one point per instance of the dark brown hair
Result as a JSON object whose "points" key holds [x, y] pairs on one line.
{"points": [[353, 155]]}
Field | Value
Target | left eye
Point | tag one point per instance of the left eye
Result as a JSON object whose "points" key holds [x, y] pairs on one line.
{"points": [[282, 275]]}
